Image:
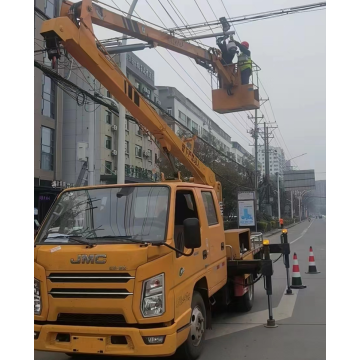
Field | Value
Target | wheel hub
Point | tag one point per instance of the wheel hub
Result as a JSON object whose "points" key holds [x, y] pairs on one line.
{"points": [[197, 327]]}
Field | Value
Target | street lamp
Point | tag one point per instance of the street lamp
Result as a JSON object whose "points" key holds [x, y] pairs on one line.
{"points": [[299, 195], [291, 192]]}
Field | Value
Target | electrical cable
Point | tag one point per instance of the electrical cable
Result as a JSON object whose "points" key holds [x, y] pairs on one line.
{"points": [[238, 132], [263, 15]]}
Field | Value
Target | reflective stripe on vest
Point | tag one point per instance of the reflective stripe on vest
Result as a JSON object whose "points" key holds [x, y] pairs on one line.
{"points": [[244, 62]]}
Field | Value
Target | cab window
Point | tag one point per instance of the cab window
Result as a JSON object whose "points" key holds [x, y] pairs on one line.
{"points": [[209, 207]]}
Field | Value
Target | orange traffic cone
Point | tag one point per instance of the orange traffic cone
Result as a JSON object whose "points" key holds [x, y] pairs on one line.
{"points": [[312, 265], [296, 282]]}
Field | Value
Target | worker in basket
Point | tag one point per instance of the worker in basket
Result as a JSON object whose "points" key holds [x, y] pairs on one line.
{"points": [[228, 51], [244, 62]]}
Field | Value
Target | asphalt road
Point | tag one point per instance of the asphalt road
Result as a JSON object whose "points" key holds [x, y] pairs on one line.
{"points": [[301, 317]]}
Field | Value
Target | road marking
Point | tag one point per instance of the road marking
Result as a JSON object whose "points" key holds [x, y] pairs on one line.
{"points": [[302, 234], [228, 326]]}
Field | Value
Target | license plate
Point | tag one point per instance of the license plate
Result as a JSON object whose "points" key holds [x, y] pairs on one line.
{"points": [[88, 344]]}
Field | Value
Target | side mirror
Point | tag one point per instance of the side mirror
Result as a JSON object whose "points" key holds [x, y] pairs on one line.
{"points": [[192, 236]]}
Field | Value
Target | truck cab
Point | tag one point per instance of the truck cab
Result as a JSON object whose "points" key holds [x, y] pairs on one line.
{"points": [[114, 276]]}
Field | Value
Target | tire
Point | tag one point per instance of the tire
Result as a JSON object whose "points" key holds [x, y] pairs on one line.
{"points": [[192, 348], [246, 301]]}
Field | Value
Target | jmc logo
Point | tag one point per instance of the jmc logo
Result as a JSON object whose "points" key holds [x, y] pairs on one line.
{"points": [[89, 259]]}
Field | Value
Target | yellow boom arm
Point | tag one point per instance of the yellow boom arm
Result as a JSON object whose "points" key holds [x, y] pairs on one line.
{"points": [[79, 40]]}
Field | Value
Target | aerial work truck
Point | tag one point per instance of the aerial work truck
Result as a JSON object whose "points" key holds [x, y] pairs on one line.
{"points": [[135, 269]]}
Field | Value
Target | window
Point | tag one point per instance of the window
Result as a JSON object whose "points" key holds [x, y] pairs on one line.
{"points": [[169, 111], [189, 123], [108, 167], [138, 151], [185, 207], [48, 97], [150, 155], [47, 148], [108, 142], [195, 128], [108, 94], [50, 8], [138, 131], [156, 158], [127, 124], [126, 147], [182, 116], [209, 207], [108, 117]]}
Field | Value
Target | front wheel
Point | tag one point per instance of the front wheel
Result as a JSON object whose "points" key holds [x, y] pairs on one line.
{"points": [[191, 349]]}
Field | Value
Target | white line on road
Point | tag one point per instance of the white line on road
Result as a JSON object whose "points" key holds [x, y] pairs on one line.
{"points": [[302, 234], [238, 323]]}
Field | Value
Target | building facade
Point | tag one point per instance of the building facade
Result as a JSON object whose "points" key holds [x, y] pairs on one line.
{"points": [[192, 117], [141, 151], [48, 121], [276, 160]]}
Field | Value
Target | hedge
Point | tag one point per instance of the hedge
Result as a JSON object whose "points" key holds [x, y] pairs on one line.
{"points": [[263, 226]]}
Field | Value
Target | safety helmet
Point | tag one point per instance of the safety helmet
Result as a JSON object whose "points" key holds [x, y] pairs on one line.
{"points": [[246, 44], [231, 47]]}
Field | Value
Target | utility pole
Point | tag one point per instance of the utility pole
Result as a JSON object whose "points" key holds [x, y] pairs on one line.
{"points": [[255, 134], [292, 206], [256, 167], [91, 148], [122, 120], [278, 194]]}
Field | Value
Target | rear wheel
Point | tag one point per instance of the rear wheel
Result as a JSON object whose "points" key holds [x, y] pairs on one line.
{"points": [[191, 349], [245, 302]]}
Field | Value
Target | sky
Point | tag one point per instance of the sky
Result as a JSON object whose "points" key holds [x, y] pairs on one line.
{"points": [[291, 53]]}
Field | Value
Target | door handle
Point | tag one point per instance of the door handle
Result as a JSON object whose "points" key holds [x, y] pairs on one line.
{"points": [[204, 254], [222, 246]]}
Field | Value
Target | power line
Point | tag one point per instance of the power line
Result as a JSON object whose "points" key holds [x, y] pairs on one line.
{"points": [[239, 133], [199, 71], [262, 15]]}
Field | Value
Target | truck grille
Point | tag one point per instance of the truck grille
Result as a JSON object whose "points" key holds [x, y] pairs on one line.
{"points": [[106, 320], [89, 293], [90, 278]]}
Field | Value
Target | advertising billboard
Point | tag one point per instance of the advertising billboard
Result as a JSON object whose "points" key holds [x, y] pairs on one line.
{"points": [[299, 180], [246, 213]]}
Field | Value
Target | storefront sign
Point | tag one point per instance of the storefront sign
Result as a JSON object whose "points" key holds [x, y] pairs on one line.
{"points": [[58, 184], [141, 67]]}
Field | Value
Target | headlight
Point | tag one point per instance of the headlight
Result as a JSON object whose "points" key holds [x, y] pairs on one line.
{"points": [[37, 297], [153, 303]]}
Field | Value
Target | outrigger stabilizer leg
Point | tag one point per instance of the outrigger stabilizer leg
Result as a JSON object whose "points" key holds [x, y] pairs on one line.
{"points": [[267, 271], [284, 240]]}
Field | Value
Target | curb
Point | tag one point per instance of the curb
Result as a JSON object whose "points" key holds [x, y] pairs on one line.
{"points": [[279, 230]]}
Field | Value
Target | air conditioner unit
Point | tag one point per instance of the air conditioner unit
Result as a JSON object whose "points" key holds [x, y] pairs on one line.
{"points": [[113, 152], [114, 127]]}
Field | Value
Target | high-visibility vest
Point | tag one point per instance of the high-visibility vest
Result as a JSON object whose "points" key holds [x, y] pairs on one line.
{"points": [[244, 62]]}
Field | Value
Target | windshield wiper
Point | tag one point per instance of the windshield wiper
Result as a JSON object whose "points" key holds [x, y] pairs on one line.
{"points": [[74, 238], [122, 237]]}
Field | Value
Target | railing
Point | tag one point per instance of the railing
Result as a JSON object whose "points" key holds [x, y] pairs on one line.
{"points": [[256, 240]]}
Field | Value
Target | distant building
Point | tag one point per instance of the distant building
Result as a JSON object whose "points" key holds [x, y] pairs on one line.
{"points": [[276, 160], [192, 117], [141, 152]]}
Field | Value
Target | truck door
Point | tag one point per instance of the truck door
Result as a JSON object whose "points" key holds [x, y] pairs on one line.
{"points": [[187, 207], [214, 237]]}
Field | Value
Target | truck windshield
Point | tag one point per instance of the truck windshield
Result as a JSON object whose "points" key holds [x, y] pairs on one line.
{"points": [[120, 214]]}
